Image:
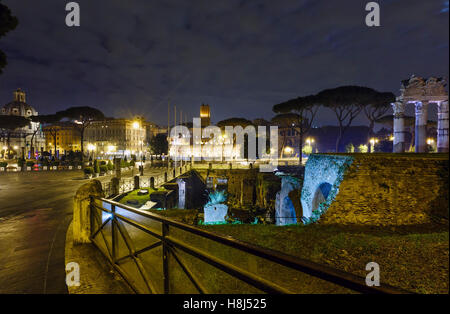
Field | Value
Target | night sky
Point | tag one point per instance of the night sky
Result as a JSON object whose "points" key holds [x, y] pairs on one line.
{"points": [[241, 57]]}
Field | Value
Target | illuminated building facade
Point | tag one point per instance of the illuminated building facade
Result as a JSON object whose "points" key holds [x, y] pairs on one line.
{"points": [[206, 146], [67, 135], [122, 137], [289, 139], [20, 139]]}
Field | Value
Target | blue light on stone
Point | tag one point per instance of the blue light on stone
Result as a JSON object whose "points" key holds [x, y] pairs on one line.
{"points": [[214, 211], [215, 214], [284, 208], [323, 175]]}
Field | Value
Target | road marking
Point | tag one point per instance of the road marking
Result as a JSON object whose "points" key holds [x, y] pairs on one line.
{"points": [[48, 258]]}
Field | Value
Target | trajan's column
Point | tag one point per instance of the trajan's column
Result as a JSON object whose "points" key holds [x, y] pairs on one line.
{"points": [[421, 92]]}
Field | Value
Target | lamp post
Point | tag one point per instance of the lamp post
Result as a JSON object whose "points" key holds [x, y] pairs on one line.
{"points": [[310, 141], [430, 143], [372, 142]]}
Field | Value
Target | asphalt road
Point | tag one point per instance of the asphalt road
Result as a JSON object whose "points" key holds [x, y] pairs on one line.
{"points": [[35, 212]]}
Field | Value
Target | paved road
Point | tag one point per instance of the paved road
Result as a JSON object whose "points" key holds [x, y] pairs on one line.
{"points": [[35, 212]]}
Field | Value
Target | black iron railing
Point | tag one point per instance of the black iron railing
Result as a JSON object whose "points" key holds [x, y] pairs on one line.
{"points": [[114, 230]]}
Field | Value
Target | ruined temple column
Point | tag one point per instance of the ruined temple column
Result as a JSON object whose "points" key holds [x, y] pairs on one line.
{"points": [[399, 127], [442, 132], [421, 126]]}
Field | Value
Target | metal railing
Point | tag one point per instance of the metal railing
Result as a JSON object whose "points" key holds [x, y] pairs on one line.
{"points": [[123, 233]]}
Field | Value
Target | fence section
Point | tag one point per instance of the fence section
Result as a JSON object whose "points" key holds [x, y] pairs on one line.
{"points": [[159, 255]]}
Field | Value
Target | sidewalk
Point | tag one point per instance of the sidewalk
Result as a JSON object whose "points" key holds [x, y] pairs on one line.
{"points": [[96, 274]]}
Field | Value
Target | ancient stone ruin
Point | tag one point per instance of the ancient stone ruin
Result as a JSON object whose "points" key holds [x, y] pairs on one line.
{"points": [[421, 92]]}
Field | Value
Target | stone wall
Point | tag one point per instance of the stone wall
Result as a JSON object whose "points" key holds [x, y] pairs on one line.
{"points": [[248, 187], [379, 189]]}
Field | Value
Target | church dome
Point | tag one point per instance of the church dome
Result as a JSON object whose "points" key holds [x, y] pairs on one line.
{"points": [[18, 107]]}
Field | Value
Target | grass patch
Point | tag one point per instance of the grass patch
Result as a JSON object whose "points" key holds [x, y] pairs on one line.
{"points": [[140, 199], [415, 258]]}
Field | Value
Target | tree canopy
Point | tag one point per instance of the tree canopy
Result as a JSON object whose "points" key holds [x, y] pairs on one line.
{"points": [[234, 122], [159, 144], [11, 123], [8, 22], [286, 120], [348, 101], [83, 116]]}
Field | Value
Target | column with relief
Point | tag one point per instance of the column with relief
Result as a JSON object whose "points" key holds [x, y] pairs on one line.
{"points": [[399, 127], [442, 132], [421, 126]]}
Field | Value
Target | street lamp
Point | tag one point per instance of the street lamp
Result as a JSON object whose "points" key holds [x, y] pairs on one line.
{"points": [[309, 141], [372, 142]]}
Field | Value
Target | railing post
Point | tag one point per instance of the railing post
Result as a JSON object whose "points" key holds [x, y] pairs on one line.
{"points": [[91, 216], [165, 233], [114, 233]]}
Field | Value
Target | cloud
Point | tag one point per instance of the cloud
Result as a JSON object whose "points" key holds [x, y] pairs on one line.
{"points": [[242, 57]]}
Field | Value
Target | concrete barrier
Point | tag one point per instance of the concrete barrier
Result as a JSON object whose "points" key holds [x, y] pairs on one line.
{"points": [[82, 210]]}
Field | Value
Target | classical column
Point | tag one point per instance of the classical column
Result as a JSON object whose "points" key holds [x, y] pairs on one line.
{"points": [[399, 127], [442, 132], [421, 126]]}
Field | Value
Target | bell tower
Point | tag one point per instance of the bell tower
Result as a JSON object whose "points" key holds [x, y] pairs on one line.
{"points": [[205, 115], [19, 95]]}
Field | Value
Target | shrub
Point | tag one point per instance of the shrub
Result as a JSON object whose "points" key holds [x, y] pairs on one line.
{"points": [[132, 162], [88, 170], [96, 166], [102, 163], [30, 163], [110, 165], [103, 168], [363, 148], [350, 148], [55, 163], [3, 164]]}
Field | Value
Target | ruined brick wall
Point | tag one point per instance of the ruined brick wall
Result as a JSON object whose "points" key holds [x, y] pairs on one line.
{"points": [[248, 187], [391, 189]]}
